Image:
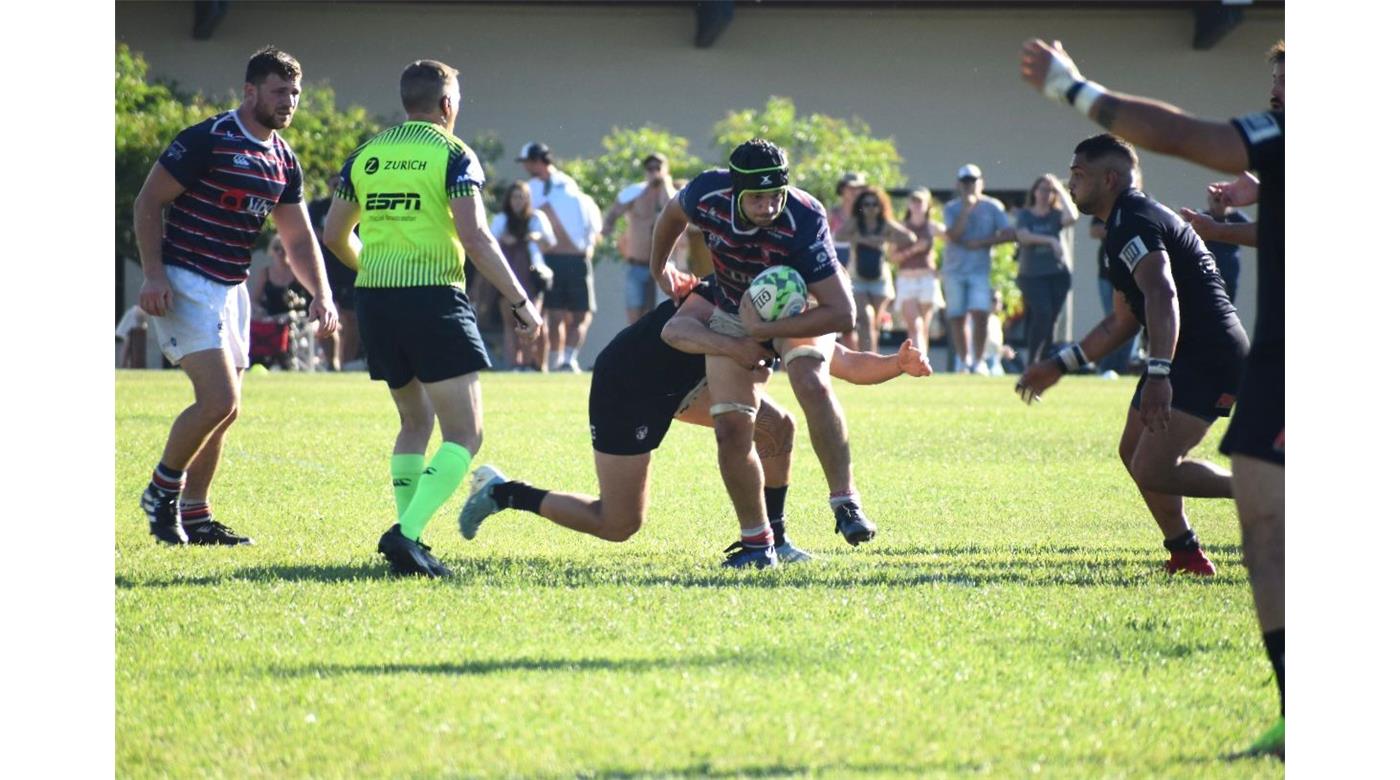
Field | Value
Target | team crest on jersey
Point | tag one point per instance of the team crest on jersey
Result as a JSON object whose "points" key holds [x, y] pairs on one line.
{"points": [[241, 160], [1133, 252], [1260, 127], [641, 433]]}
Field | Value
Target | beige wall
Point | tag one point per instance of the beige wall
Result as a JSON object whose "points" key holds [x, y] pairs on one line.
{"points": [[943, 83]]}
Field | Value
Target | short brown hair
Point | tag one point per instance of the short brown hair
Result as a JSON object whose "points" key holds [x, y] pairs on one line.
{"points": [[1276, 53], [423, 84], [269, 60]]}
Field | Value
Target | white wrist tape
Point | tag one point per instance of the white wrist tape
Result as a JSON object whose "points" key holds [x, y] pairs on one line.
{"points": [[1083, 95], [1071, 358], [1060, 76]]}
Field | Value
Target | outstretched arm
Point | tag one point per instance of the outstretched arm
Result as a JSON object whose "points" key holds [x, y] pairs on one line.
{"points": [[872, 368], [1151, 124], [688, 331]]}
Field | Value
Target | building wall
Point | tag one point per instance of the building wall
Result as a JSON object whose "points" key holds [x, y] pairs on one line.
{"points": [[943, 82]]}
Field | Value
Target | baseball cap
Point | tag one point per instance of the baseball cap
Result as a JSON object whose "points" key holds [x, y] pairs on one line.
{"points": [[850, 179], [969, 171], [533, 151], [655, 157]]}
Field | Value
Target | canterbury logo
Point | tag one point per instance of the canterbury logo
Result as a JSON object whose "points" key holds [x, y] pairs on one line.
{"points": [[400, 483], [429, 470]]}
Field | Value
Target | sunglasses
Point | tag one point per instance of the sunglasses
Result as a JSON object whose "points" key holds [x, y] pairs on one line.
{"points": [[870, 204], [653, 169]]}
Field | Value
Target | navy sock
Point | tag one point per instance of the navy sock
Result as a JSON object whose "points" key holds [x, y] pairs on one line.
{"points": [[1273, 642], [1184, 543], [518, 495], [775, 501]]}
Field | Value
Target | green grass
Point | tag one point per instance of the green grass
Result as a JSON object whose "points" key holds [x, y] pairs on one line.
{"points": [[1011, 618]]}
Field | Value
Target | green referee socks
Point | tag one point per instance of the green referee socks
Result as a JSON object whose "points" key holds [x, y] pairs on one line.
{"points": [[437, 484], [404, 470]]}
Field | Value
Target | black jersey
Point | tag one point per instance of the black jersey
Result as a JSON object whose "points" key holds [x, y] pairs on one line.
{"points": [[1138, 226], [1263, 136], [637, 363]]}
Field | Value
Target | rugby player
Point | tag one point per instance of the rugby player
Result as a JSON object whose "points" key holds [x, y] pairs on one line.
{"points": [[1165, 279], [752, 220], [1255, 438], [220, 180], [649, 374], [415, 191]]}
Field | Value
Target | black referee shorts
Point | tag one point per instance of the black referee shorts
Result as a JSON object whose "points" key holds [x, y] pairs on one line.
{"points": [[1205, 385], [1257, 429], [423, 333]]}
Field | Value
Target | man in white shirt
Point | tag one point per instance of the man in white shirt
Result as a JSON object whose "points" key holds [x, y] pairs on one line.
{"points": [[577, 223]]}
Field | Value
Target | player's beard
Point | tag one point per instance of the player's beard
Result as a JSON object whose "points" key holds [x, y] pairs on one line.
{"points": [[268, 117]]}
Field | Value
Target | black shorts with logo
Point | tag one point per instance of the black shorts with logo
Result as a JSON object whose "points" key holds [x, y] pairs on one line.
{"points": [[423, 333], [1257, 429], [1205, 385], [573, 284], [623, 418]]}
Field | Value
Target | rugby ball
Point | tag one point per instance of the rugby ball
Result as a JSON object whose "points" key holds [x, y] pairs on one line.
{"points": [[778, 292]]}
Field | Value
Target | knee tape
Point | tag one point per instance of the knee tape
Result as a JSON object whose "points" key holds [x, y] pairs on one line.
{"points": [[727, 407], [801, 352]]}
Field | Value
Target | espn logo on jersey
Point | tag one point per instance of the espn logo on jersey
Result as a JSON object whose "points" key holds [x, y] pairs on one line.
{"points": [[390, 201]]}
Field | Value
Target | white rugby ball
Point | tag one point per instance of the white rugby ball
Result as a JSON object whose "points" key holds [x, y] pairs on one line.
{"points": [[778, 292]]}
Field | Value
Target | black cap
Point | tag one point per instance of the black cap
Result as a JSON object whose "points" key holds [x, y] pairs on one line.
{"points": [[533, 151]]}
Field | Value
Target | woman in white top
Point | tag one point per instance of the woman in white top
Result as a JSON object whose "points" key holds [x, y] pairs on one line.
{"points": [[524, 236], [917, 295]]}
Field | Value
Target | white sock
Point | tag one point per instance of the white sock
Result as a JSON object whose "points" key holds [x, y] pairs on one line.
{"points": [[569, 356]]}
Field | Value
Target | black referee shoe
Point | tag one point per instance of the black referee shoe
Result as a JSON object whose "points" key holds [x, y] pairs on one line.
{"points": [[407, 557], [162, 511]]}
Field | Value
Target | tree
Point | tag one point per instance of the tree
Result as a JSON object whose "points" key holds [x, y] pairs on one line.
{"points": [[820, 148], [620, 164]]}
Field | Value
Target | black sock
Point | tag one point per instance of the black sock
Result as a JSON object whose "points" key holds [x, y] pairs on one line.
{"points": [[775, 501], [1273, 642], [1184, 543], [518, 495]]}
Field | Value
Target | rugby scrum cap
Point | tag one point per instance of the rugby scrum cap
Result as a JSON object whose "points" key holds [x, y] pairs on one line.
{"points": [[533, 151], [969, 171], [850, 180], [757, 165]]}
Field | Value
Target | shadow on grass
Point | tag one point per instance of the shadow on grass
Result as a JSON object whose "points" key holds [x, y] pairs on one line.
{"points": [[487, 666], [970, 566], [769, 770]]}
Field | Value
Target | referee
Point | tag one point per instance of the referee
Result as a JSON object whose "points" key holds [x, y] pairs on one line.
{"points": [[414, 191]]}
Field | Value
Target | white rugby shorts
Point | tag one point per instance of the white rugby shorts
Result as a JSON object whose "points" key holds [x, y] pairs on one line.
{"points": [[920, 286], [205, 315]]}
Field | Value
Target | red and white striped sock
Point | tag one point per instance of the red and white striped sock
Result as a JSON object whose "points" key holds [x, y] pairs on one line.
{"points": [[759, 537], [193, 512], [167, 480]]}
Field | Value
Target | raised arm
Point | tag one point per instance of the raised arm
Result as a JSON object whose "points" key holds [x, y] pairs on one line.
{"points": [[1148, 123]]}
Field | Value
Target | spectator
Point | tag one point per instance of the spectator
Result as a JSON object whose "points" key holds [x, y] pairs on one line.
{"points": [[524, 237], [1044, 259], [641, 202], [131, 338], [848, 188], [917, 293], [343, 346], [996, 353], [577, 223], [976, 223], [693, 255], [1119, 360], [868, 231], [282, 332], [1227, 252]]}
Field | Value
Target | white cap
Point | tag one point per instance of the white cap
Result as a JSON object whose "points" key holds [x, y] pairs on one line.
{"points": [[969, 171]]}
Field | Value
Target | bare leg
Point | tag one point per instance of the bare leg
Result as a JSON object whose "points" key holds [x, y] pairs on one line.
{"points": [[826, 423], [619, 511], [1168, 508], [415, 419], [731, 383], [216, 396], [864, 315], [957, 336], [201, 472], [979, 334], [1160, 463], [915, 323], [1259, 497]]}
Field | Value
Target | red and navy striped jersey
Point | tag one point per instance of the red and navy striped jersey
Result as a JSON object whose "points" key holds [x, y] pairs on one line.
{"points": [[232, 182], [799, 237]]}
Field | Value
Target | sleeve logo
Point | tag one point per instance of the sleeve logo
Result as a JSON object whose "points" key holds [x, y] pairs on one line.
{"points": [[176, 150], [1132, 252], [1260, 127]]}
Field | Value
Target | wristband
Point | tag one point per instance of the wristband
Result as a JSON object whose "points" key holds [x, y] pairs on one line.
{"points": [[1159, 367], [1083, 94], [517, 306], [1071, 359]]}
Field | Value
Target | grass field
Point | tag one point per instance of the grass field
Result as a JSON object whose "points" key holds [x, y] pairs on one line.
{"points": [[1011, 619]]}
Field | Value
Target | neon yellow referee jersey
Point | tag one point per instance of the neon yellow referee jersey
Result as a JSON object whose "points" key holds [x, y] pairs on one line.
{"points": [[404, 180]]}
